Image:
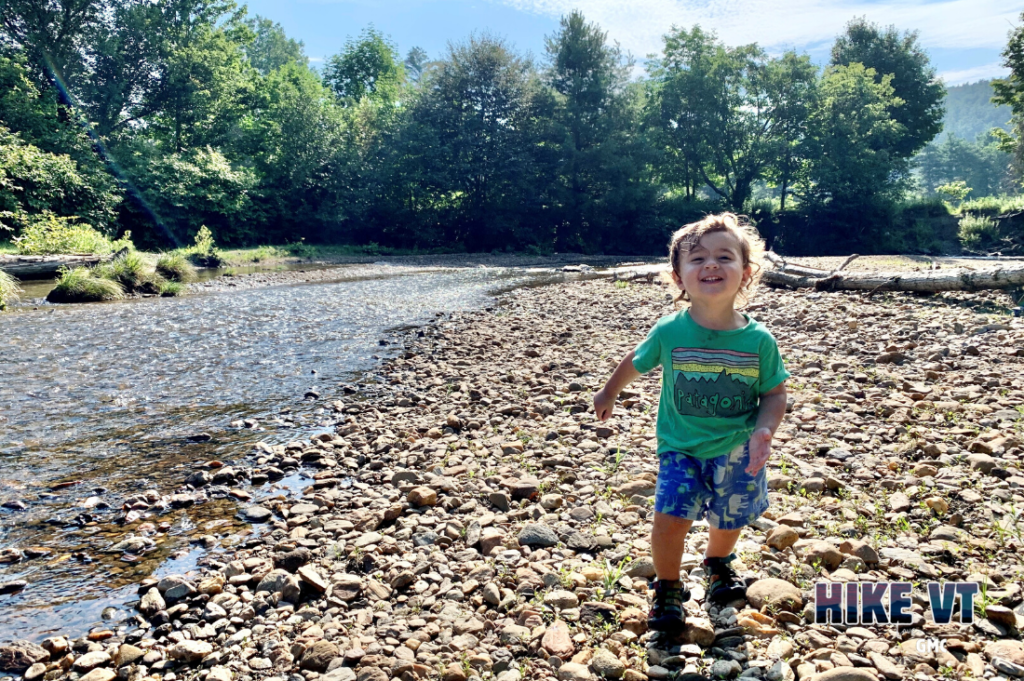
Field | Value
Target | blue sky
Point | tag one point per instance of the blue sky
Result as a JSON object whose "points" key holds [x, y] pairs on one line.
{"points": [[963, 37]]}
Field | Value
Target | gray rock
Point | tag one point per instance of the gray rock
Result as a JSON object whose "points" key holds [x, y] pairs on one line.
{"points": [[725, 669], [536, 535], [607, 664], [257, 514]]}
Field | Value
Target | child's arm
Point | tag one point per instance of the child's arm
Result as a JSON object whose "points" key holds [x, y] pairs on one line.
{"points": [[624, 374], [769, 415]]}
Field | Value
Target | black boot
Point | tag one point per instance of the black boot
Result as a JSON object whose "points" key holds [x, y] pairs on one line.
{"points": [[724, 585], [667, 613]]}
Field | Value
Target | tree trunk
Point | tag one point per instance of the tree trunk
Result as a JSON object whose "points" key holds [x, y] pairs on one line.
{"points": [[926, 281], [45, 266]]}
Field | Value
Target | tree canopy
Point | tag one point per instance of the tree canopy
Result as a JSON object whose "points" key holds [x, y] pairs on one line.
{"points": [[160, 116]]}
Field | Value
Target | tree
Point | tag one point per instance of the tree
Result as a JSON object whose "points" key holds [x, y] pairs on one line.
{"points": [[461, 170], [599, 164], [1010, 91], [368, 67], [54, 34], [271, 48], [290, 140], [851, 167], [415, 64], [732, 114], [913, 80], [981, 165], [204, 77]]}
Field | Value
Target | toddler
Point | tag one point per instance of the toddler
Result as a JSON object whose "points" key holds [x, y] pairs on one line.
{"points": [[723, 396]]}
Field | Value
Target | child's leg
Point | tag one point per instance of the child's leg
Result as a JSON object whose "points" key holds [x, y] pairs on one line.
{"points": [[721, 542], [668, 538]]}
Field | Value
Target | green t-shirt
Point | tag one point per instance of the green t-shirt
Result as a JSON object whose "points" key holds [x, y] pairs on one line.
{"points": [[711, 382]]}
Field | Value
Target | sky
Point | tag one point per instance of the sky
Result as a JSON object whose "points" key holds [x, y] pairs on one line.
{"points": [[963, 38]]}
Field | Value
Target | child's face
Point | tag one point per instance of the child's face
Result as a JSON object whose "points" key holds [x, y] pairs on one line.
{"points": [[713, 270]]}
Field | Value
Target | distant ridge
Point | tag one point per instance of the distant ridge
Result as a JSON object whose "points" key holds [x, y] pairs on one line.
{"points": [[970, 111]]}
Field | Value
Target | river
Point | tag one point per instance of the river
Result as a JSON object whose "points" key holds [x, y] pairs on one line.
{"points": [[103, 401]]}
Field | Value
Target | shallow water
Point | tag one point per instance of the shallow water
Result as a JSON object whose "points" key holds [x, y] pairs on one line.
{"points": [[104, 396]]}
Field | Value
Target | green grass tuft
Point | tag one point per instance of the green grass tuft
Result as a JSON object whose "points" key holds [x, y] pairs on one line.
{"points": [[175, 267], [80, 285], [9, 290], [170, 289]]}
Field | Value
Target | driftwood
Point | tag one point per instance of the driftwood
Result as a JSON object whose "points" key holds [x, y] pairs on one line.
{"points": [[45, 266], [794, 276]]}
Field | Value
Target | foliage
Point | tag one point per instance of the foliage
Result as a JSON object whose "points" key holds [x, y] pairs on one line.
{"points": [[204, 251], [956, 190], [270, 48], [170, 289], [730, 114], [970, 112], [9, 290], [980, 165], [160, 117], [369, 66], [850, 138], [189, 189], [1010, 92], [599, 165], [977, 231], [899, 61], [130, 270], [176, 267], [80, 285], [47, 234]]}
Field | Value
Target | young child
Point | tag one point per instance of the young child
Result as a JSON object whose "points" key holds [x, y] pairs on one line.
{"points": [[723, 396]]}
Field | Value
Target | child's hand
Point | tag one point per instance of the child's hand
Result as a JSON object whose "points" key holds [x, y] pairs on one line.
{"points": [[604, 404], [760, 449]]}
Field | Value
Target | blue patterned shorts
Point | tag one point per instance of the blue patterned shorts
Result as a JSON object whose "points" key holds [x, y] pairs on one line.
{"points": [[719, 488]]}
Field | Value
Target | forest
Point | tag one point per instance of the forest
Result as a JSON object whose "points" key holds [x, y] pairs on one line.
{"points": [[148, 121]]}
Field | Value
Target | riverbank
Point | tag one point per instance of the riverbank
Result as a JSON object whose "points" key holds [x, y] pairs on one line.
{"points": [[467, 516]]}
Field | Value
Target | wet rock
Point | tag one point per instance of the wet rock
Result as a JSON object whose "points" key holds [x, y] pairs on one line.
{"points": [[90, 661], [12, 587], [293, 560], [257, 514], [152, 602], [20, 655], [128, 654]]}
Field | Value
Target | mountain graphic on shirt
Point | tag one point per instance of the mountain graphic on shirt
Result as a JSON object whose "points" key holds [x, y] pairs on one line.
{"points": [[714, 383]]}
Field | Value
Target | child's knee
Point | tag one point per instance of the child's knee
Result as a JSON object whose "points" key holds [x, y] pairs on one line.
{"points": [[670, 523]]}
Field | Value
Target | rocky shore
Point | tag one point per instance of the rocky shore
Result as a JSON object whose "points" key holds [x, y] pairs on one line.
{"points": [[468, 519]]}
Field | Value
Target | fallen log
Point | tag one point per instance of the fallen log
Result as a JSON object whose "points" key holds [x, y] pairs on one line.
{"points": [[45, 266], [929, 281]]}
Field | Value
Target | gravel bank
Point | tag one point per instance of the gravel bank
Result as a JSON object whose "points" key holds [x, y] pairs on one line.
{"points": [[469, 520]]}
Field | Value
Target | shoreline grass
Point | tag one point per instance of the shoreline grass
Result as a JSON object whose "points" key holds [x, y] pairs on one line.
{"points": [[9, 290], [80, 285]]}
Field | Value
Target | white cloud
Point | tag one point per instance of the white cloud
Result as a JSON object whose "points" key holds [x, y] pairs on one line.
{"points": [[803, 24], [314, 60], [960, 76]]}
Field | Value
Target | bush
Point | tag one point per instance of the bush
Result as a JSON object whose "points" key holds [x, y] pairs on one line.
{"points": [[204, 253], [9, 290], [170, 289], [80, 285], [175, 267], [49, 234], [131, 271], [978, 231]]}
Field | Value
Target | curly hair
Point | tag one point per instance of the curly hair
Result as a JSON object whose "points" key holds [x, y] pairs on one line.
{"points": [[751, 247]]}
